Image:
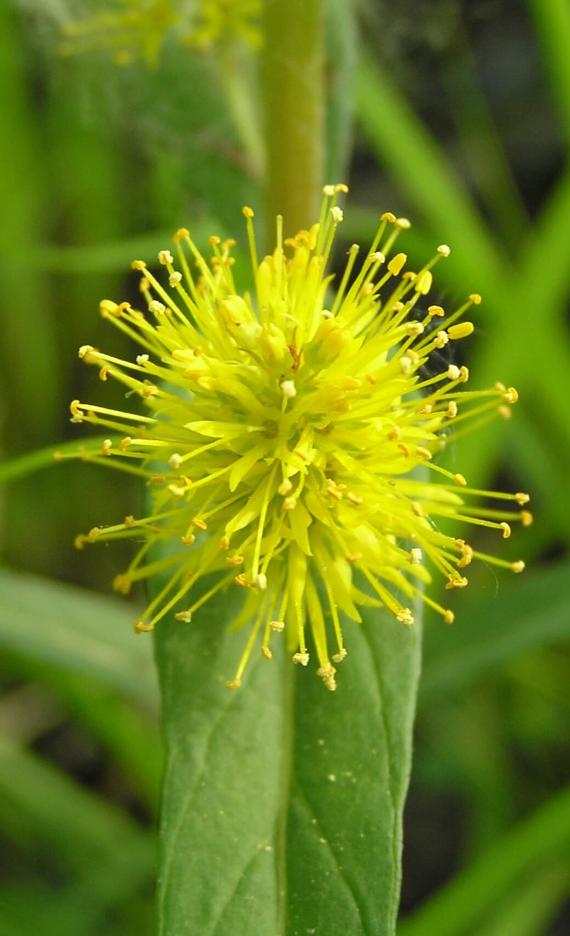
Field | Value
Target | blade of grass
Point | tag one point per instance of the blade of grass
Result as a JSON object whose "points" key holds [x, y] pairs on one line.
{"points": [[529, 910], [552, 24], [31, 462], [491, 631], [412, 156], [461, 904], [98, 845], [76, 630], [27, 325]]}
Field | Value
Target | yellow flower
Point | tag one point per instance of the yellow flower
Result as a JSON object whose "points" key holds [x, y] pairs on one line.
{"points": [[221, 19], [282, 434], [135, 30]]}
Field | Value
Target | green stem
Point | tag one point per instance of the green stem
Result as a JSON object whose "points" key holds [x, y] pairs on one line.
{"points": [[293, 95]]}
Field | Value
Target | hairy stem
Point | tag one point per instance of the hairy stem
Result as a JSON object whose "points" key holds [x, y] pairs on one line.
{"points": [[293, 95]]}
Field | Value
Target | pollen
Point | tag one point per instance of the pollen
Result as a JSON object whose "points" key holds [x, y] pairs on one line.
{"points": [[290, 438]]}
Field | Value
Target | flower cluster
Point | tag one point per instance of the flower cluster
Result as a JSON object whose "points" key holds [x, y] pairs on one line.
{"points": [[290, 434], [136, 30]]}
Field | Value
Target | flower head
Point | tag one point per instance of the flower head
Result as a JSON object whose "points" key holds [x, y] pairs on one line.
{"points": [[135, 30], [290, 435]]}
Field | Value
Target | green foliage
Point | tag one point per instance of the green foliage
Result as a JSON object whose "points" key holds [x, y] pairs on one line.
{"points": [[98, 166]]}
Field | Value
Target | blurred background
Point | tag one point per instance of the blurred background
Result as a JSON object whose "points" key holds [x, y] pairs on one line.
{"points": [[455, 114]]}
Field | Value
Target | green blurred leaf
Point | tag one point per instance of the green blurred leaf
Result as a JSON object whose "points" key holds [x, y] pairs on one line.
{"points": [[99, 847], [539, 838], [531, 612], [405, 147], [552, 22], [46, 457], [28, 329], [530, 909], [342, 55], [112, 256], [294, 795], [76, 630]]}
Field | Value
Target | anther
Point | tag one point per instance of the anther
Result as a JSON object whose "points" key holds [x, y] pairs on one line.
{"points": [[448, 616], [261, 581], [460, 479], [443, 250], [266, 652], [396, 264], [436, 310], [441, 339], [403, 224], [185, 616], [175, 460], [526, 518], [277, 626], [461, 330], [108, 307], [340, 656], [337, 214], [302, 658], [247, 212], [388, 216], [475, 298], [506, 529], [416, 555], [451, 411], [518, 566], [142, 627], [106, 446], [235, 561], [328, 191], [522, 498], [175, 279], [142, 359], [424, 283], [165, 257], [233, 684], [453, 372], [288, 389], [138, 265], [510, 395]]}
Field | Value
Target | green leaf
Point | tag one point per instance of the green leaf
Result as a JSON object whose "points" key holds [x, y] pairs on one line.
{"points": [[530, 910], [294, 795], [489, 632], [552, 22], [77, 631], [48, 457], [461, 904], [99, 847], [341, 54], [405, 147]]}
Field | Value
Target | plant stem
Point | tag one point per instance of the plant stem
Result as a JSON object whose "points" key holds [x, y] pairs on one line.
{"points": [[293, 95]]}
